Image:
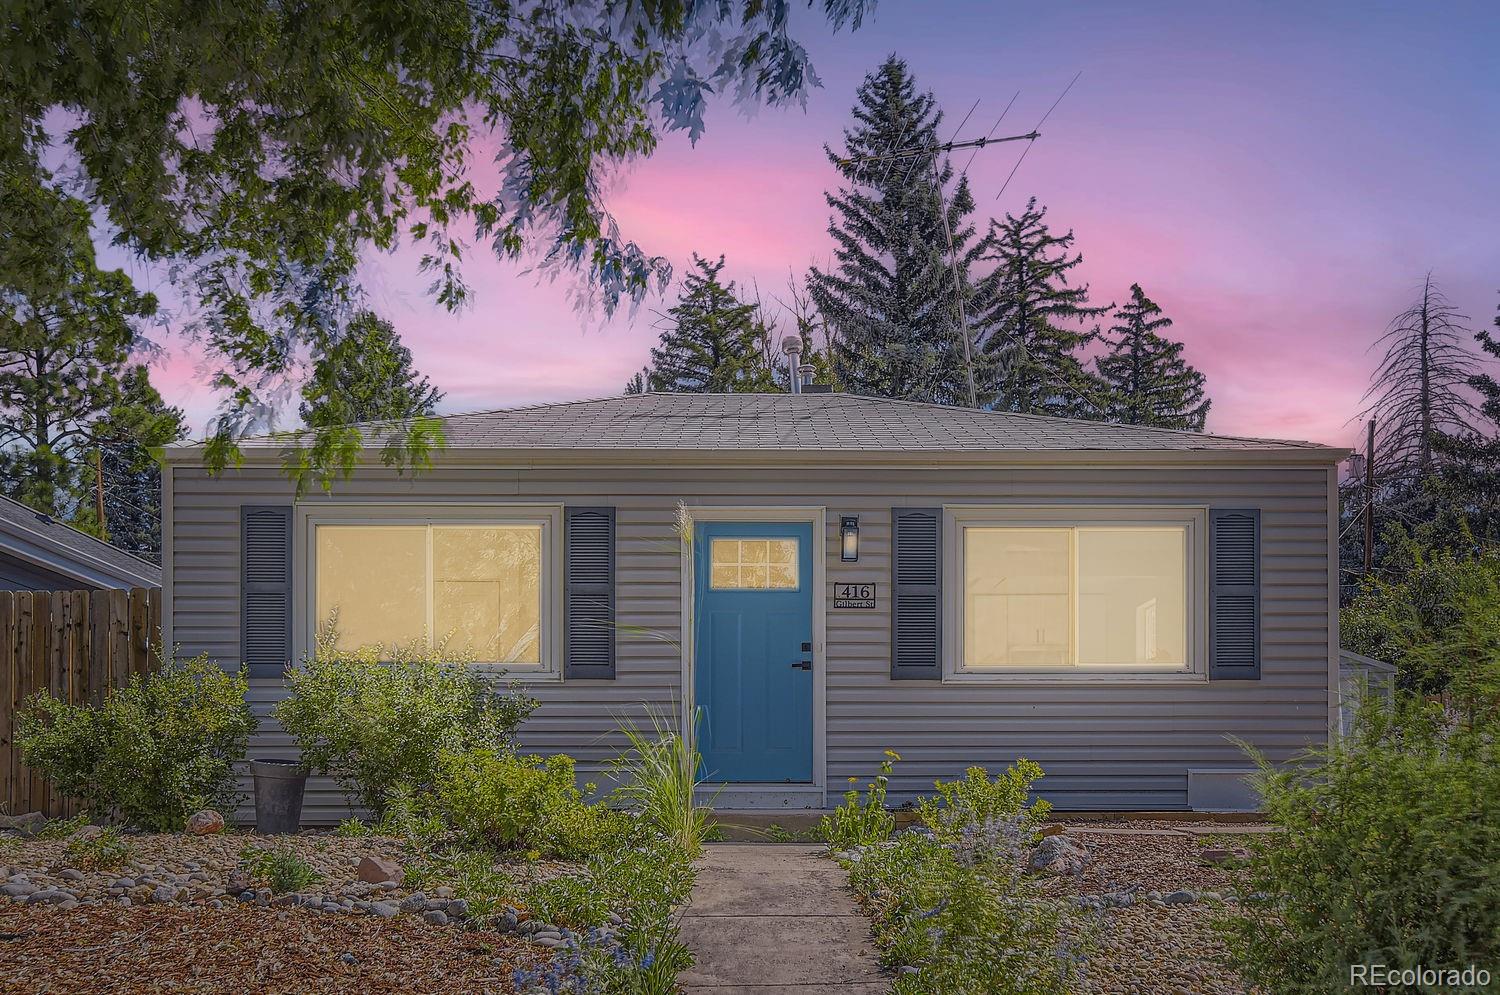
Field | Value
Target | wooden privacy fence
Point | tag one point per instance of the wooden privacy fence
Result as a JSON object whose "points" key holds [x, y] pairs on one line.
{"points": [[73, 645]]}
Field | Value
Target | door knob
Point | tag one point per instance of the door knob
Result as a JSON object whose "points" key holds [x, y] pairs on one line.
{"points": [[802, 665]]}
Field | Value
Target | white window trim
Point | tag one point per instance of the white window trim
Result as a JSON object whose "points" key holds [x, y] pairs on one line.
{"points": [[1193, 518], [548, 516]]}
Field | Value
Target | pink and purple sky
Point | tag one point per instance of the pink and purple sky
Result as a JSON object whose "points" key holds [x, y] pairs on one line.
{"points": [[1278, 176]]}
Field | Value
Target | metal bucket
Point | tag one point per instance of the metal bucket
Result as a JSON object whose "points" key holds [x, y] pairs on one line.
{"points": [[279, 785]]}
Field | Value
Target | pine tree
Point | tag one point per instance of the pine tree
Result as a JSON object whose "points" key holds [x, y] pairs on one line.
{"points": [[889, 301], [1146, 380], [1418, 389], [1470, 459], [68, 330], [713, 341], [1028, 329], [366, 375], [131, 474]]}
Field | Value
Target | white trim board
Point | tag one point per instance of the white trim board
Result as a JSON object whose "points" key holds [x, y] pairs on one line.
{"points": [[768, 795]]}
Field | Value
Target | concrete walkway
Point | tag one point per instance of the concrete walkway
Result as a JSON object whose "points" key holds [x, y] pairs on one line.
{"points": [[776, 919]]}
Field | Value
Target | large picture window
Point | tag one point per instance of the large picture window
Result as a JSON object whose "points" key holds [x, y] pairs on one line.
{"points": [[1049, 596], [478, 589]]}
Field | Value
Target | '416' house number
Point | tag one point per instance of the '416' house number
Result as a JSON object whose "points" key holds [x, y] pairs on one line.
{"points": [[854, 595]]}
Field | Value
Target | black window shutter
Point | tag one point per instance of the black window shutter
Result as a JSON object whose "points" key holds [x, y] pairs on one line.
{"points": [[589, 593], [1234, 594], [916, 594], [265, 588]]}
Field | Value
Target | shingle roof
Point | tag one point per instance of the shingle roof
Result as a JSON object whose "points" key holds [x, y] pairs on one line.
{"points": [[64, 549], [807, 422]]}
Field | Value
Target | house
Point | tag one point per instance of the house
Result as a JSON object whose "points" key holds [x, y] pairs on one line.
{"points": [[39, 553], [824, 576]]}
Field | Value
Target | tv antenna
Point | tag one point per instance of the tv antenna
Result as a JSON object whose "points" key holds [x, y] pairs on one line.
{"points": [[931, 152]]}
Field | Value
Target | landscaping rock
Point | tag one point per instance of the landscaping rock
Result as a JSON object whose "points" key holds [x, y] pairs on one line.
{"points": [[378, 870], [86, 833], [70, 874], [1059, 855], [1179, 898], [1223, 855], [413, 903], [435, 918], [385, 910], [457, 908], [28, 824], [165, 894], [206, 822]]}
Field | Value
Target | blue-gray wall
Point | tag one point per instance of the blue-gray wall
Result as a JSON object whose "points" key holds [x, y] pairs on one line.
{"points": [[1104, 745]]}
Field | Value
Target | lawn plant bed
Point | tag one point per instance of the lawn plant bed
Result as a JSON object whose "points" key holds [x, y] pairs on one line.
{"points": [[953, 906], [973, 898]]}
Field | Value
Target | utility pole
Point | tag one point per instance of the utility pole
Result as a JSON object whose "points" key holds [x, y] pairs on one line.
{"points": [[99, 488], [1370, 498]]}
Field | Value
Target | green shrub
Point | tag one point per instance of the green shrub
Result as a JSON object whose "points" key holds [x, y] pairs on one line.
{"points": [[861, 820], [61, 829], [375, 725], [511, 802], [153, 752], [279, 867], [976, 800], [1390, 853], [99, 851], [964, 916]]}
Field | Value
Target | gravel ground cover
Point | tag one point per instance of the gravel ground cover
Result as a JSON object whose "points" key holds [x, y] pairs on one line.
{"points": [[181, 869], [108, 949], [1164, 941]]}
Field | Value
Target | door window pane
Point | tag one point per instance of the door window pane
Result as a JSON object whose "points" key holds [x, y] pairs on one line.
{"points": [[373, 579], [1016, 597], [487, 591], [1132, 594], [752, 564]]}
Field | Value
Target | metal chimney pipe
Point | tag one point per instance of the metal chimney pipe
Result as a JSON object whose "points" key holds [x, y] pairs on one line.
{"points": [[792, 346], [806, 371]]}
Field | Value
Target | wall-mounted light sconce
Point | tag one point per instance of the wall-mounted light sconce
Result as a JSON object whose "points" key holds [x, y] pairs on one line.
{"points": [[849, 538]]}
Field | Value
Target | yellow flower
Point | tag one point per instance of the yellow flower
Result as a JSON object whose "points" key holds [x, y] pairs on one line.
{"points": [[893, 754], [853, 779]]}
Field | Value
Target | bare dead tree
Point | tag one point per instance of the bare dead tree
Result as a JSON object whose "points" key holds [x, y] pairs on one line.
{"points": [[1419, 391]]}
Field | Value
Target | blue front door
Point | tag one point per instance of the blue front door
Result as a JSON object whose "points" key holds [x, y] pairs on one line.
{"points": [[753, 650]]}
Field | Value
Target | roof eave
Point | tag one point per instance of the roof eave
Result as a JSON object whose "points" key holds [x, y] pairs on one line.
{"points": [[59, 558], [476, 456]]}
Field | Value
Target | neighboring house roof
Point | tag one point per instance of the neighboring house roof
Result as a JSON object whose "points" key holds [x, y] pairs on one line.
{"points": [[29, 535], [811, 422], [1359, 663]]}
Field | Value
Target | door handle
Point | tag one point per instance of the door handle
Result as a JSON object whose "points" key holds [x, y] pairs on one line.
{"points": [[802, 665]]}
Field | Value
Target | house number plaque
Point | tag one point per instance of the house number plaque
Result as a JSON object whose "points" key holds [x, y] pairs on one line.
{"points": [[854, 595]]}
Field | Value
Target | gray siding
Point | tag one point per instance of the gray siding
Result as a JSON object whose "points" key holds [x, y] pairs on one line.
{"points": [[1103, 745]]}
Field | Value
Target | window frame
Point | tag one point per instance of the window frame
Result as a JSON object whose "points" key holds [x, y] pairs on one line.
{"points": [[548, 516], [1193, 519]]}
